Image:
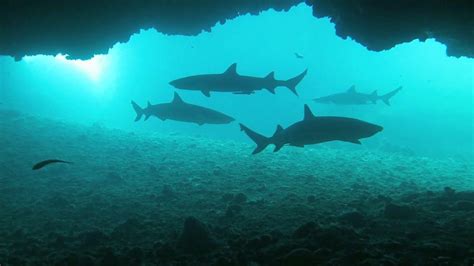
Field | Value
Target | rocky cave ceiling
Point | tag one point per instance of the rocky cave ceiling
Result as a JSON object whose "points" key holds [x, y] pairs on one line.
{"points": [[83, 28]]}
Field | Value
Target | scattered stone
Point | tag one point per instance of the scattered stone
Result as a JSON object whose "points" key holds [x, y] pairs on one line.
{"points": [[429, 248], [401, 212], [305, 230], [321, 254], [465, 195], [227, 197], [355, 257], [449, 192], [75, 259], [355, 218], [337, 238], [168, 192], [463, 205], [251, 179], [233, 210], [154, 171], [136, 256], [240, 198], [127, 229], [298, 257], [59, 242], [58, 201], [92, 238], [311, 199], [260, 242], [218, 172], [195, 237], [164, 251], [276, 234], [262, 188], [224, 261], [383, 198], [113, 178]]}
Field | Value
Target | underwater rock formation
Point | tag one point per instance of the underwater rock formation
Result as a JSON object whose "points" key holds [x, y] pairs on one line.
{"points": [[195, 237], [84, 28], [380, 25]]}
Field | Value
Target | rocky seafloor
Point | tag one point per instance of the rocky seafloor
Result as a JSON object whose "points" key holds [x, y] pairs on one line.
{"points": [[138, 199]]}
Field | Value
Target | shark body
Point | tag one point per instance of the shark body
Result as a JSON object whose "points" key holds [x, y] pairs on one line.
{"points": [[313, 130], [231, 81], [353, 97], [180, 110]]}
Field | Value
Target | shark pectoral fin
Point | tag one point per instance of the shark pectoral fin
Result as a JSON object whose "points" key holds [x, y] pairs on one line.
{"points": [[278, 147], [206, 93], [271, 90], [355, 141], [147, 116]]}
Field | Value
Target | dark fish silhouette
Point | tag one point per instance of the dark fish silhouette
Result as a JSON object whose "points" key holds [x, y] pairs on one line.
{"points": [[313, 130], [230, 81], [299, 56], [351, 96], [179, 110], [46, 162]]}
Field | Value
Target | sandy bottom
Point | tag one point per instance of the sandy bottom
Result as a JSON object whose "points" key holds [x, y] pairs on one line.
{"points": [[138, 199]]}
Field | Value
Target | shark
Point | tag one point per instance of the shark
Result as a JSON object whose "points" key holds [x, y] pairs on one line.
{"points": [[313, 130], [180, 110], [353, 97], [231, 81]]}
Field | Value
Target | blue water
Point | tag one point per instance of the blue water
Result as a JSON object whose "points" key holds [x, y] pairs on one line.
{"points": [[432, 115]]}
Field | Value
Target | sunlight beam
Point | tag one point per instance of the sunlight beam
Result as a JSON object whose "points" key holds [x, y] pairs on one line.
{"points": [[92, 68]]}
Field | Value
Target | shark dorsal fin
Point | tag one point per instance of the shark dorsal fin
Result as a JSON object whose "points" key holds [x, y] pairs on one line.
{"points": [[307, 113], [232, 69], [374, 93], [148, 104], [271, 75], [278, 129], [352, 89], [177, 98]]}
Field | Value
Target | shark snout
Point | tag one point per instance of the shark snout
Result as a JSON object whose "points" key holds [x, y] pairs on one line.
{"points": [[173, 83]]}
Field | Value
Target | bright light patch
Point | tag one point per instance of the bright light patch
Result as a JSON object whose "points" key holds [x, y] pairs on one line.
{"points": [[92, 68]]}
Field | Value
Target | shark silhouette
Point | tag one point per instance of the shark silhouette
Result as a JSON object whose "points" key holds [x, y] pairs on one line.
{"points": [[179, 110], [351, 96], [314, 129], [231, 81]]}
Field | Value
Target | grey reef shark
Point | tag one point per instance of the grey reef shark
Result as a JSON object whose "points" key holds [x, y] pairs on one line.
{"points": [[353, 97], [231, 81], [314, 129], [180, 110]]}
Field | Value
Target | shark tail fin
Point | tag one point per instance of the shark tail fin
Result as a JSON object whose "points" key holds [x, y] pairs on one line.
{"points": [[140, 112], [261, 141], [386, 97], [293, 82]]}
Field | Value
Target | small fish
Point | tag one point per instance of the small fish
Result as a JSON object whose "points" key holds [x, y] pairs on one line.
{"points": [[46, 162], [299, 56]]}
